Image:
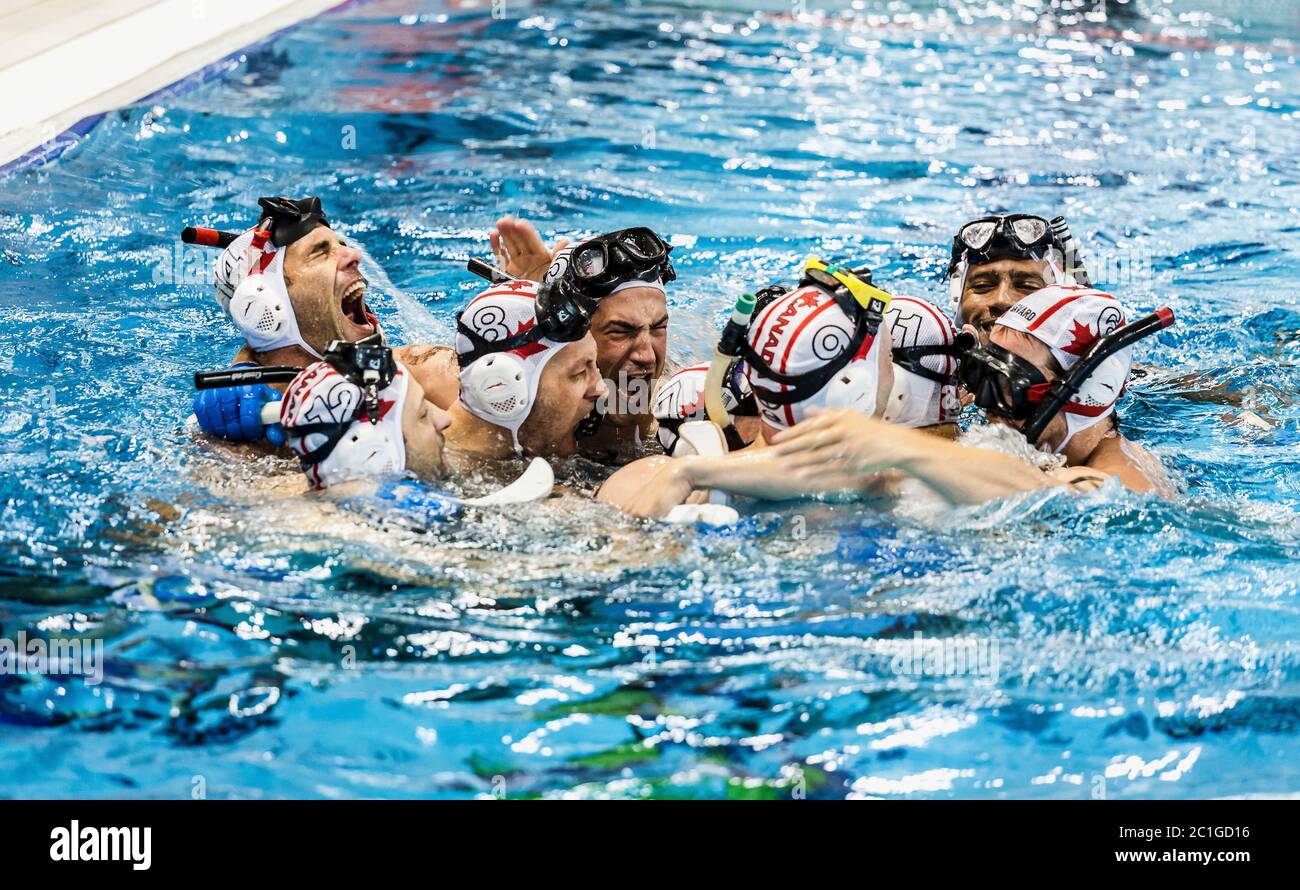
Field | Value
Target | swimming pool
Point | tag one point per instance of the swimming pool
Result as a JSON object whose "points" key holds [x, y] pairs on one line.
{"points": [[1049, 646]]}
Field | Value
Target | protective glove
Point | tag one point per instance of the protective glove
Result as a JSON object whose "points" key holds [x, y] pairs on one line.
{"points": [[234, 413], [419, 503]]}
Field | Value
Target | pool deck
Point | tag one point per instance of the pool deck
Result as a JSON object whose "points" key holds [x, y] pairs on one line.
{"points": [[62, 61]]}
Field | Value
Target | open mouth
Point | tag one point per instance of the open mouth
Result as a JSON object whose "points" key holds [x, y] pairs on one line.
{"points": [[354, 307], [631, 381]]}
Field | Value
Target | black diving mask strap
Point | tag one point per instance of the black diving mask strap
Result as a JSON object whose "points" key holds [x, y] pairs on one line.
{"points": [[912, 356], [288, 220], [483, 347]]}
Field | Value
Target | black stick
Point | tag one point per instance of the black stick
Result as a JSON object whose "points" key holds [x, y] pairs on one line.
{"points": [[244, 376]]}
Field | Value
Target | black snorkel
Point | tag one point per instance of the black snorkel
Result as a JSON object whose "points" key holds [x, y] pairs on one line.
{"points": [[244, 376], [368, 363], [488, 272], [283, 219], [1071, 252], [909, 358], [205, 237], [1067, 387]]}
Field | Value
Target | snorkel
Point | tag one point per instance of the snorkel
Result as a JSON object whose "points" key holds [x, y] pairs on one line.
{"points": [[488, 272], [205, 237], [1069, 246], [1067, 387], [727, 351]]}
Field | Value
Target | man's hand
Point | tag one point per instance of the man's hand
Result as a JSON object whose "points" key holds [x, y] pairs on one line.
{"points": [[520, 251], [649, 487], [234, 413], [834, 446]]}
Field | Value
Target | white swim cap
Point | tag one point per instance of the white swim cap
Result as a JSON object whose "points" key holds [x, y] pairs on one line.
{"points": [[1069, 318], [251, 290], [925, 385], [323, 419], [803, 333], [501, 387]]}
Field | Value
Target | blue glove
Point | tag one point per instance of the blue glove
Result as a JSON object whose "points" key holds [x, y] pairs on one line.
{"points": [[234, 413], [419, 503]]}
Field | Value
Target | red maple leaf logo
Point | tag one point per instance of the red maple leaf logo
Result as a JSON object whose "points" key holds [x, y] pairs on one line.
{"points": [[1083, 337], [528, 348]]}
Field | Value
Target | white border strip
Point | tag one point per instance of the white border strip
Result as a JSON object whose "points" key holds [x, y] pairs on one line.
{"points": [[129, 58]]}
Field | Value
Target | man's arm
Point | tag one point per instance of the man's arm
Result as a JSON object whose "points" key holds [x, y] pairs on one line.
{"points": [[836, 451], [845, 443], [435, 368], [652, 486]]}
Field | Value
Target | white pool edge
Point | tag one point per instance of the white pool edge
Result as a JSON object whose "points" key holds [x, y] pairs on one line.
{"points": [[89, 74]]}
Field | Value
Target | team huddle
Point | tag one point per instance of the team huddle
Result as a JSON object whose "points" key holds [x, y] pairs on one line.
{"points": [[829, 384]]}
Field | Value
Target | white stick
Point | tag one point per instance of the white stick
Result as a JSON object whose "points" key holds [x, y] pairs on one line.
{"points": [[534, 484]]}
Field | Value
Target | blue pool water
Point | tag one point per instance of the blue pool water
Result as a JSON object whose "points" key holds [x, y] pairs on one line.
{"points": [[1124, 645]]}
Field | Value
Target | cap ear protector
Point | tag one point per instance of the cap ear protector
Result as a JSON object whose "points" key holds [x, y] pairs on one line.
{"points": [[498, 385], [854, 386], [362, 450], [899, 394], [259, 307]]}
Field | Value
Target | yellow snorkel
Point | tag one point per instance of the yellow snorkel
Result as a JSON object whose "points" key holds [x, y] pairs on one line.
{"points": [[868, 296]]}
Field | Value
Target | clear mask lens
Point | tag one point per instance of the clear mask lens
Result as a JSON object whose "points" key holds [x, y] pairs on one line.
{"points": [[977, 235], [642, 244], [1029, 230], [589, 262]]}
